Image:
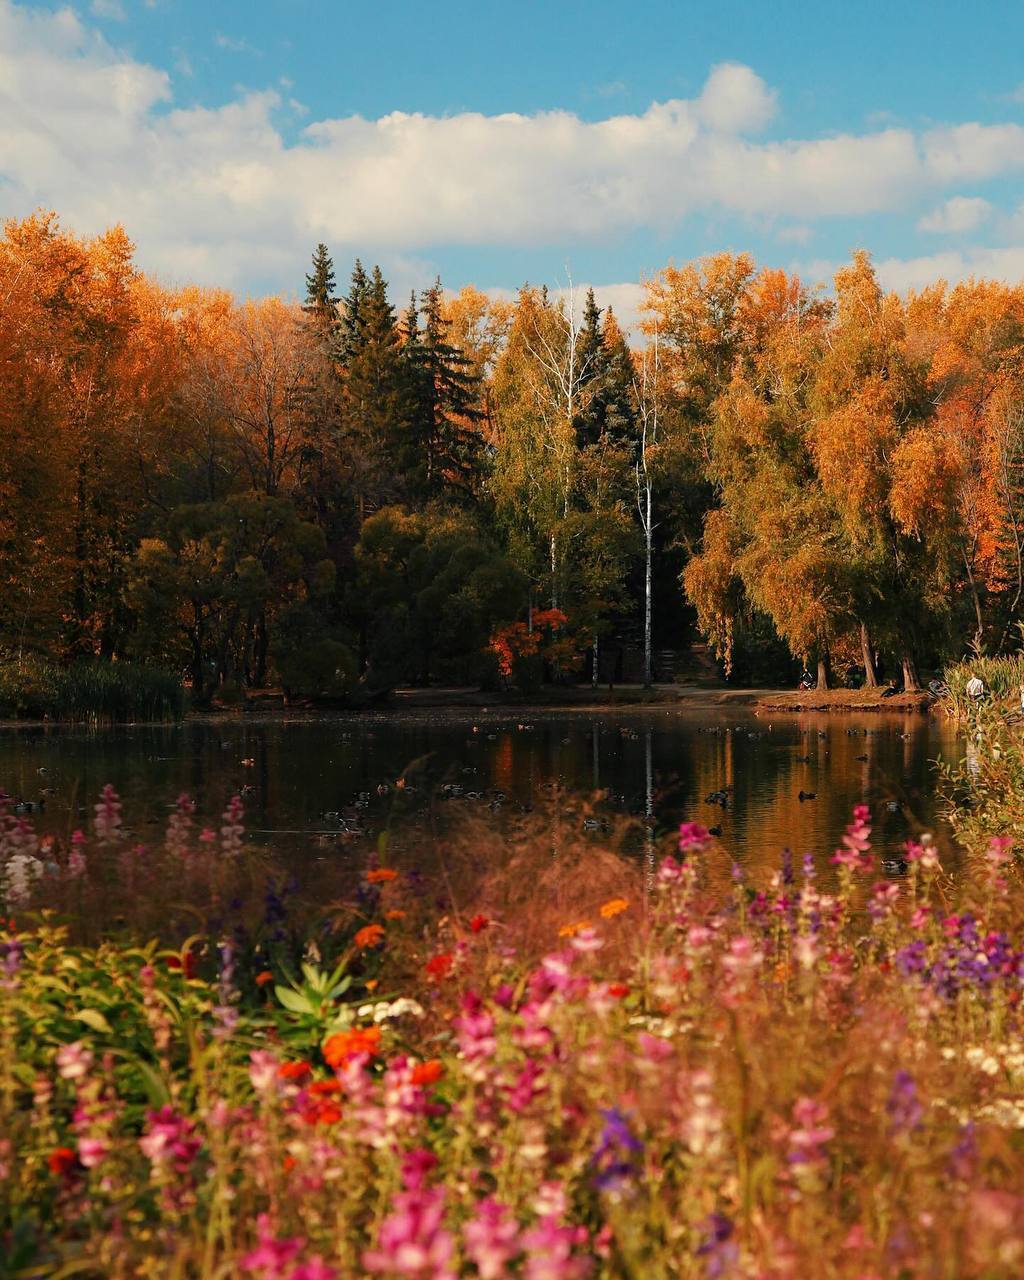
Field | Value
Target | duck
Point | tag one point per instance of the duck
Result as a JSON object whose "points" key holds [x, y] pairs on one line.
{"points": [[714, 831], [717, 797], [803, 759], [807, 795], [861, 758]]}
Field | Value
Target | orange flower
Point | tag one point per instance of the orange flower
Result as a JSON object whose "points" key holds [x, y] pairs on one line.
{"points": [[294, 1070], [288, 1163], [613, 907], [571, 930], [372, 984], [369, 936], [479, 923], [380, 875], [263, 977], [395, 915], [427, 1072], [61, 1160], [440, 966], [344, 1045]]}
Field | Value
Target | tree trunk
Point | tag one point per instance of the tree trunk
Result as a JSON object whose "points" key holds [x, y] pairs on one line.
{"points": [[594, 673], [261, 648], [822, 672], [870, 674], [648, 557], [910, 683]]}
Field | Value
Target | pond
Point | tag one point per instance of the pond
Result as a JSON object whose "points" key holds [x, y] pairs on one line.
{"points": [[317, 784]]}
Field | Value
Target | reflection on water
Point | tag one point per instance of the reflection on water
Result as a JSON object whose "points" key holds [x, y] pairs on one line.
{"points": [[307, 778]]}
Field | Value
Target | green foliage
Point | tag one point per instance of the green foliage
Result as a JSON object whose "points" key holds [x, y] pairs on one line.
{"points": [[431, 589], [108, 692]]}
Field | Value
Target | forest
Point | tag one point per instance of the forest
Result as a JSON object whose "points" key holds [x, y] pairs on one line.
{"points": [[342, 495]]}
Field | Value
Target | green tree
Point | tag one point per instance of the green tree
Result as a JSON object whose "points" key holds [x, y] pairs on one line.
{"points": [[320, 300]]}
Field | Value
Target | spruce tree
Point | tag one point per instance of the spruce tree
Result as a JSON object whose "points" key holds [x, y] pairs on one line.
{"points": [[320, 299], [447, 397], [350, 334]]}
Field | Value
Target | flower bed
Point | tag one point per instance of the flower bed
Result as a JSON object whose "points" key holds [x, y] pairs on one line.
{"points": [[766, 1080]]}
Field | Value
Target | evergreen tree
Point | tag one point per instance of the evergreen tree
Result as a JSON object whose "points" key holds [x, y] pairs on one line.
{"points": [[320, 299], [350, 334], [447, 392], [377, 402]]}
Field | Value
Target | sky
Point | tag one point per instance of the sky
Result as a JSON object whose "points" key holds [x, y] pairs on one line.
{"points": [[497, 144]]}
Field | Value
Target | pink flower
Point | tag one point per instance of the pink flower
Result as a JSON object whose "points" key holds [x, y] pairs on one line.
{"points": [[263, 1068], [74, 1061], [807, 1140], [856, 850], [998, 851], [270, 1257], [491, 1239], [475, 1029], [586, 940], [108, 816], [92, 1151], [412, 1240], [169, 1140], [550, 1252], [743, 958], [693, 838]]}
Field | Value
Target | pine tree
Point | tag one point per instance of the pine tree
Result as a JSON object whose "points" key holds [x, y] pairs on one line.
{"points": [[320, 299]]}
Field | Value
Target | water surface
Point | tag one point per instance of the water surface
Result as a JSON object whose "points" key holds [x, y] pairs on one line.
{"points": [[309, 778]]}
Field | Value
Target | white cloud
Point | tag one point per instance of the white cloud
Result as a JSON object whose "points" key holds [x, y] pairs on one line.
{"points": [[961, 213], [112, 9], [220, 194], [735, 100], [953, 266]]}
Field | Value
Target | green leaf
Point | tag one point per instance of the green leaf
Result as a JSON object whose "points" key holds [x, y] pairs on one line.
{"points": [[292, 1000], [93, 1018], [156, 1088]]}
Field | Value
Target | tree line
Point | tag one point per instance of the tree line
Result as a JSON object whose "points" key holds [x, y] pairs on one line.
{"points": [[342, 495]]}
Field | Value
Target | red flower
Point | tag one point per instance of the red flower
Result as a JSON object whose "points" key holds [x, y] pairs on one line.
{"points": [[322, 1112], [440, 966], [618, 990], [61, 1161], [186, 962], [263, 977], [427, 1072], [294, 1070], [479, 923], [324, 1088]]}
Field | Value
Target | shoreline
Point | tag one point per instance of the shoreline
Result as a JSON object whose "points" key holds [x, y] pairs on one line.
{"points": [[843, 701], [624, 698]]}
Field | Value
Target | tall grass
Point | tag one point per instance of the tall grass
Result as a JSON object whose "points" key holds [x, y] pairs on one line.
{"points": [[89, 691], [1002, 676]]}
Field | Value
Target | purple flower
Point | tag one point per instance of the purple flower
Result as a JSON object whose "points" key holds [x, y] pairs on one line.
{"points": [[613, 1160], [719, 1250], [903, 1107]]}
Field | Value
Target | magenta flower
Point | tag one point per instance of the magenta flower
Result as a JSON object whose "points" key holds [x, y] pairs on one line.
{"points": [[92, 1151], [491, 1239], [550, 1251], [169, 1140], [693, 838], [810, 1133], [412, 1240], [856, 850]]}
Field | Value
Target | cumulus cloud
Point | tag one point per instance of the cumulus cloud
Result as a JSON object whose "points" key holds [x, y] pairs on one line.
{"points": [[227, 194], [959, 214]]}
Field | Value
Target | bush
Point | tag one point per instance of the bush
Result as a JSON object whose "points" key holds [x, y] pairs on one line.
{"points": [[109, 692]]}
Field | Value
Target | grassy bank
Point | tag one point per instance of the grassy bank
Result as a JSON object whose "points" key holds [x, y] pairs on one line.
{"points": [[106, 692], [515, 1065]]}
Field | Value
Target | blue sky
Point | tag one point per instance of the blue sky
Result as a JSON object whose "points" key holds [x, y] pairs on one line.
{"points": [[499, 143]]}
